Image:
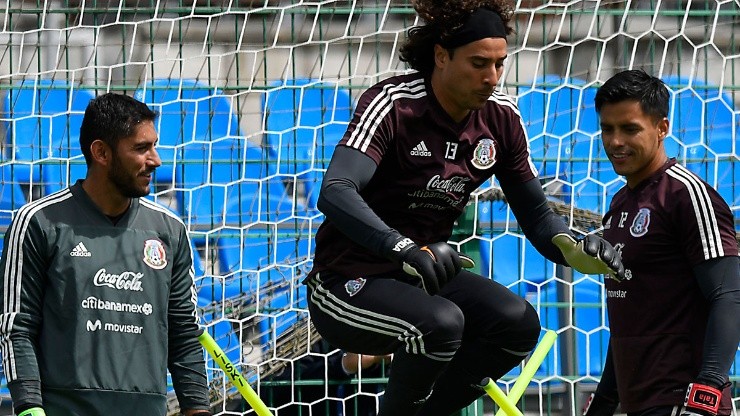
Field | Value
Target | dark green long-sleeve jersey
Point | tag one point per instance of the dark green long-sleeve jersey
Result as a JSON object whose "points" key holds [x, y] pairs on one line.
{"points": [[96, 312]]}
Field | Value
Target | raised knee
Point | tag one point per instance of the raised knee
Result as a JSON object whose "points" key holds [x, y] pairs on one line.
{"points": [[529, 324], [523, 326], [445, 328]]}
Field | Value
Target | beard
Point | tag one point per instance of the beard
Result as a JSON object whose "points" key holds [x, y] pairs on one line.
{"points": [[125, 182]]}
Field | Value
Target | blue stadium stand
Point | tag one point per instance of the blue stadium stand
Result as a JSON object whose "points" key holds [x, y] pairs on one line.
{"points": [[42, 120], [264, 247], [189, 111], [304, 120]]}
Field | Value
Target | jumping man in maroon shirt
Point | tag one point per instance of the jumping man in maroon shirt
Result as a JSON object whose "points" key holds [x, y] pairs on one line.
{"points": [[384, 278]]}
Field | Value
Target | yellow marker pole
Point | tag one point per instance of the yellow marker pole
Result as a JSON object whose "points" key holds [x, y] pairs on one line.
{"points": [[499, 397], [538, 356], [230, 369]]}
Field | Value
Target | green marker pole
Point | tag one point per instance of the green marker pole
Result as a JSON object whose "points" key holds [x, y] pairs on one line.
{"points": [[499, 397], [230, 369], [538, 356]]}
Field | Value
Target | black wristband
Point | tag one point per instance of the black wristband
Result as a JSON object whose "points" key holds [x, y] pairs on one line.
{"points": [[399, 246]]}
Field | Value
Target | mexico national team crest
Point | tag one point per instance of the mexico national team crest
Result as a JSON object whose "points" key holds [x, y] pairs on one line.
{"points": [[353, 286], [484, 155], [154, 254], [641, 222]]}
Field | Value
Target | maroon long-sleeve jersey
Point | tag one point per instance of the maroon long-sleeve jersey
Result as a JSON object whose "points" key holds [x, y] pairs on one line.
{"points": [[428, 165], [663, 227]]}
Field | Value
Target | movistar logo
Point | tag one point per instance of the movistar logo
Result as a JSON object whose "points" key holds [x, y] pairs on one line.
{"points": [[92, 327]]}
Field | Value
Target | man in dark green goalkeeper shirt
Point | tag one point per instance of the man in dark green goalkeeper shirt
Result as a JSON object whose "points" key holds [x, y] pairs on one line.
{"points": [[98, 298]]}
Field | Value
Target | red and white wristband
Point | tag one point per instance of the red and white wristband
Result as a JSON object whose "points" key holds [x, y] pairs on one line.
{"points": [[702, 397]]}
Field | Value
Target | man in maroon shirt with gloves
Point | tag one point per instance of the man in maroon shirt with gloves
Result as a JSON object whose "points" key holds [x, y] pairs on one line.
{"points": [[675, 318]]}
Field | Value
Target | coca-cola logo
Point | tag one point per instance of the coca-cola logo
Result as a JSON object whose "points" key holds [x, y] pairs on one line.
{"points": [[130, 281], [455, 184]]}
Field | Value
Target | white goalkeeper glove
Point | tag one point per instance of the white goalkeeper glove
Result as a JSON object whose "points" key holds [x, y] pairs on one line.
{"points": [[590, 255]]}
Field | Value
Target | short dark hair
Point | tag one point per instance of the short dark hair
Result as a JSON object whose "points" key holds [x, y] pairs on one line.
{"points": [[111, 117], [637, 85], [442, 19]]}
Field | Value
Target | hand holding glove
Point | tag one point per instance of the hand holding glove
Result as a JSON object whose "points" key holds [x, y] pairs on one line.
{"points": [[701, 400], [590, 255], [434, 264]]}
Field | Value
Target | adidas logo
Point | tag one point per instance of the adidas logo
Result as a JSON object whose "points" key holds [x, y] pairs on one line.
{"points": [[420, 150], [80, 251]]}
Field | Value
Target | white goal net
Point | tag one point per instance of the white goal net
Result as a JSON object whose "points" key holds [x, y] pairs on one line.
{"points": [[254, 94]]}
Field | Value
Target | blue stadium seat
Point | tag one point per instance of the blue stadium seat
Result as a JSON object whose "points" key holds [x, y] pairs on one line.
{"points": [[507, 257], [262, 229], [304, 121], [42, 120], [699, 114], [561, 120], [285, 308], [590, 342], [260, 194], [189, 111], [514, 257], [11, 196], [207, 168]]}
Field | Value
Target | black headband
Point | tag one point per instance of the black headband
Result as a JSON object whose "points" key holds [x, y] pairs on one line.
{"points": [[482, 23]]}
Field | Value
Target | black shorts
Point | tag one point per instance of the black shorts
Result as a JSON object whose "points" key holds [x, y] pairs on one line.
{"points": [[380, 314]]}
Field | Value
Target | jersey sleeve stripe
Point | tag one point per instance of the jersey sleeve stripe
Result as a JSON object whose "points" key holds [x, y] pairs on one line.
{"points": [[14, 265], [13, 273], [715, 239], [703, 210], [380, 106], [6, 347], [507, 101], [383, 105]]}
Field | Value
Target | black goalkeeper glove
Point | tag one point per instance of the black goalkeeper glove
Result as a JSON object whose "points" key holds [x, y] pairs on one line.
{"points": [[434, 264], [590, 255], [599, 405], [701, 400]]}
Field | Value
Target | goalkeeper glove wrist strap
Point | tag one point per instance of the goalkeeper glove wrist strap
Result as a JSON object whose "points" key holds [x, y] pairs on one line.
{"points": [[703, 398], [599, 405]]}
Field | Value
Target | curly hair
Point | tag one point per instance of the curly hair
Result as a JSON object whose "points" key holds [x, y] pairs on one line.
{"points": [[442, 18]]}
